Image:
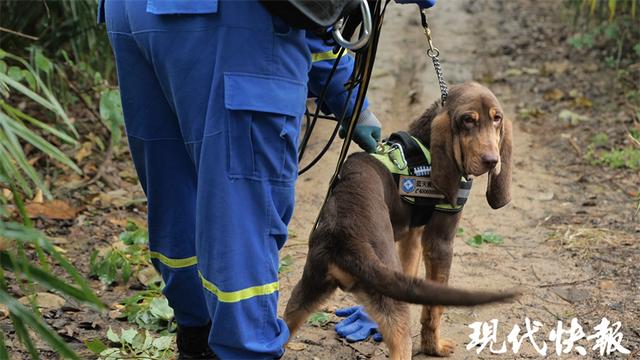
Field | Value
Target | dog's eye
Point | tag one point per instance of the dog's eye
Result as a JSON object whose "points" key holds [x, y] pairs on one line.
{"points": [[497, 119], [468, 120]]}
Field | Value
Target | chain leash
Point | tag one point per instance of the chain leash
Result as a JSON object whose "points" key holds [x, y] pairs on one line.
{"points": [[433, 53]]}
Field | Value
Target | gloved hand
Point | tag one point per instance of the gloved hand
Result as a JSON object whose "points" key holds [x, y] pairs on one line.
{"points": [[367, 131], [424, 4], [357, 326]]}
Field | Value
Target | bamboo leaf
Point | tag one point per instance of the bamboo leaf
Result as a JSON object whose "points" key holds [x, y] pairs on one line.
{"points": [[27, 92], [4, 354], [612, 9], [21, 329], [78, 278], [11, 171], [43, 277], [13, 147], [43, 145], [25, 234], [52, 102], [50, 129], [21, 316]]}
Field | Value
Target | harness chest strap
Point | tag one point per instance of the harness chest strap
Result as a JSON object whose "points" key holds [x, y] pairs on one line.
{"points": [[409, 161]]}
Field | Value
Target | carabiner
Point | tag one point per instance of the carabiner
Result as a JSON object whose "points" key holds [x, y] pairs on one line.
{"points": [[366, 26]]}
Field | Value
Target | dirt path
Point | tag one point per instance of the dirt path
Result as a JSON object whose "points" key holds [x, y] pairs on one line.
{"points": [[403, 86]]}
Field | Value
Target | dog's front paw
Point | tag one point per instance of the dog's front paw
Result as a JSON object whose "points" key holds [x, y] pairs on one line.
{"points": [[441, 348]]}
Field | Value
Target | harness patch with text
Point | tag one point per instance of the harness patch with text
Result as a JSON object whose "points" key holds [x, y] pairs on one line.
{"points": [[418, 186]]}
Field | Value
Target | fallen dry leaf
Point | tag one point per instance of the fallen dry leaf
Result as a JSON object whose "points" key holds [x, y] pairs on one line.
{"points": [[59, 249], [85, 150], [606, 285], [554, 95], [572, 295], [118, 222], [541, 196], [115, 198], [43, 300], [296, 346], [4, 312], [39, 197], [582, 101], [53, 210], [148, 276], [557, 67], [571, 118]]}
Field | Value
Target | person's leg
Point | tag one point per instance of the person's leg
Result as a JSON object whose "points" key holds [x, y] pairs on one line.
{"points": [[237, 80], [166, 171]]}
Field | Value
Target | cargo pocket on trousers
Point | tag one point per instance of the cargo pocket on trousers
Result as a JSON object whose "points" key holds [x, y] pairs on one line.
{"points": [[263, 117], [282, 203]]}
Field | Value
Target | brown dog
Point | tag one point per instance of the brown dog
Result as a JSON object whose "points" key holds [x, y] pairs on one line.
{"points": [[353, 245]]}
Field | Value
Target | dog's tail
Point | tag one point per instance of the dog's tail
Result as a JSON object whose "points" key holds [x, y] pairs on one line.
{"points": [[396, 285]]}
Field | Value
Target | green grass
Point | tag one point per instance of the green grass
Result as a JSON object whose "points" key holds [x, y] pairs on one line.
{"points": [[123, 259], [318, 319], [132, 344], [485, 238], [628, 158]]}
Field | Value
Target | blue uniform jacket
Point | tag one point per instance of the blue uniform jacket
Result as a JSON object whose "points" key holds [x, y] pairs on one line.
{"points": [[322, 55]]}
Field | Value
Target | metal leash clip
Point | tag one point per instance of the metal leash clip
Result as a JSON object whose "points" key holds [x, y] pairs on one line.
{"points": [[433, 53], [394, 148], [366, 30]]}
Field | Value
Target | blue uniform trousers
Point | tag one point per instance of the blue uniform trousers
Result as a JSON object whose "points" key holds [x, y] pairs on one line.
{"points": [[212, 106]]}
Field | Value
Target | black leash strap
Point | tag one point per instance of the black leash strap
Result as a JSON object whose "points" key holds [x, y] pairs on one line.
{"points": [[364, 66]]}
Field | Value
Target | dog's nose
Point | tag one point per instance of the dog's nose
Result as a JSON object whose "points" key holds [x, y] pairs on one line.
{"points": [[490, 160]]}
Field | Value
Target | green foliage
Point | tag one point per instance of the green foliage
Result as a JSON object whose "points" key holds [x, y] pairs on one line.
{"points": [[616, 158], [16, 127], [486, 237], [111, 114], [600, 140], [60, 25], [26, 271], [610, 25], [123, 259], [134, 235], [133, 344], [318, 319], [285, 264], [148, 309], [582, 41]]}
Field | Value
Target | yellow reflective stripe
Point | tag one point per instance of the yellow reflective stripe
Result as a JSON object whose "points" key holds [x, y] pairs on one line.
{"points": [[174, 263], [327, 55], [447, 206], [244, 294]]}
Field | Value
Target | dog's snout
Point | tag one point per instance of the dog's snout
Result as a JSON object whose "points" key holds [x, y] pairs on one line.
{"points": [[490, 160]]}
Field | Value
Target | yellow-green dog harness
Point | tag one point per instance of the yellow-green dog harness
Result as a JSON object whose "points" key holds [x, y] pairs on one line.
{"points": [[409, 161]]}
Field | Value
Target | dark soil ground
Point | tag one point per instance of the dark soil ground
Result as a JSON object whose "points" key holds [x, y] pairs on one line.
{"points": [[571, 234]]}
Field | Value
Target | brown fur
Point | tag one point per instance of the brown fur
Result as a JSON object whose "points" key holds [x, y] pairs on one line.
{"points": [[353, 246]]}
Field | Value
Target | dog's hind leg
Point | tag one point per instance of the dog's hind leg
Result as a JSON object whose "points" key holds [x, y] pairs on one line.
{"points": [[307, 295], [394, 321], [437, 243]]}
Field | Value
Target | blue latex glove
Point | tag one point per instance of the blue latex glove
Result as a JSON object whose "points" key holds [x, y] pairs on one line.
{"points": [[424, 4], [357, 326], [367, 131]]}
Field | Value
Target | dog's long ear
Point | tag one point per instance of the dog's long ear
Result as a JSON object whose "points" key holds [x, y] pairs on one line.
{"points": [[499, 184], [444, 166]]}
